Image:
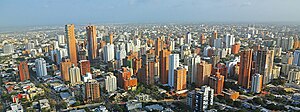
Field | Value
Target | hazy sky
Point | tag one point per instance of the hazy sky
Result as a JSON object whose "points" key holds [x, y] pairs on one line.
{"points": [[53, 12]]}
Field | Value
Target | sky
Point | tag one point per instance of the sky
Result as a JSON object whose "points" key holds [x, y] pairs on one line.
{"points": [[57, 12]]}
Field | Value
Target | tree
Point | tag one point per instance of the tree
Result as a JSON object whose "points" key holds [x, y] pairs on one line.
{"points": [[258, 101]]}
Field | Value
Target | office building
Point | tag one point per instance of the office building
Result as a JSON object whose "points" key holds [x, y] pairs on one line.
{"points": [[71, 42], [41, 68], [245, 68], [23, 71]]}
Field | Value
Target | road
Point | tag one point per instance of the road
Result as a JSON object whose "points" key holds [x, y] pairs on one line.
{"points": [[83, 106]]}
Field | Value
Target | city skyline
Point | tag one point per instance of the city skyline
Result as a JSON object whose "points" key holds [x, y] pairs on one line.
{"points": [[51, 12]]}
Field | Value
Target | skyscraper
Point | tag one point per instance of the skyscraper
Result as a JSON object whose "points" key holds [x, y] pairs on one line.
{"points": [[92, 42], [180, 79], [203, 72], [164, 66], [92, 91], [296, 60], [264, 64], [217, 83], [110, 82], [245, 68], [23, 71], [203, 98], [111, 36], [125, 80], [173, 64], [74, 74], [192, 65], [256, 83], [64, 69], [85, 67], [108, 52], [188, 38], [41, 68], [158, 46], [71, 41]]}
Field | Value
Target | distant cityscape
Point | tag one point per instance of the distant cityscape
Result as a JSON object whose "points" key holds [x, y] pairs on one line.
{"points": [[151, 67]]}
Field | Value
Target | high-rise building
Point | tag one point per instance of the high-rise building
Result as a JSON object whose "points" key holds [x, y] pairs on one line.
{"points": [[71, 41], [173, 64], [108, 52], [41, 68], [92, 91], [92, 42], [180, 79], [158, 46], [111, 36], [245, 68], [296, 60], [256, 83], [294, 76], [190, 100], [61, 39], [110, 82], [74, 74], [23, 71], [235, 48], [203, 72], [85, 66], [229, 40], [203, 98], [8, 49], [188, 38], [217, 83], [125, 79], [264, 64], [192, 65], [164, 66], [64, 69]]}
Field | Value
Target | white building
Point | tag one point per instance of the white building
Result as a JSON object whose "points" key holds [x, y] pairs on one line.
{"points": [[41, 68], [256, 83], [229, 40], [203, 98], [173, 64], [296, 60], [192, 67], [87, 77], [294, 76], [74, 74], [110, 82], [8, 49], [188, 37], [108, 52], [61, 39]]}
